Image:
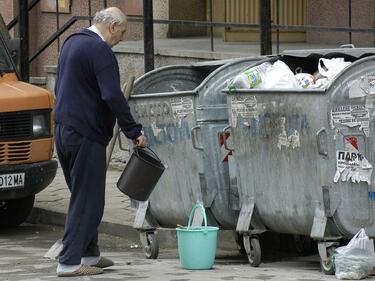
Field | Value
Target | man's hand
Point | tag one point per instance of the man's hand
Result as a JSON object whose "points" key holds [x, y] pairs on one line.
{"points": [[141, 141]]}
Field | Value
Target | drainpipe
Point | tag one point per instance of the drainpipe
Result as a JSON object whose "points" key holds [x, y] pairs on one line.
{"points": [[148, 35], [23, 25], [265, 27]]}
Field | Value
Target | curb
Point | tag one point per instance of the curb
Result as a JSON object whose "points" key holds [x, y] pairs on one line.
{"points": [[166, 237]]}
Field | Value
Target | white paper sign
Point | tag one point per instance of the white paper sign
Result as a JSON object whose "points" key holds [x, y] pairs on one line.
{"points": [[244, 106], [182, 106], [351, 116], [352, 165]]}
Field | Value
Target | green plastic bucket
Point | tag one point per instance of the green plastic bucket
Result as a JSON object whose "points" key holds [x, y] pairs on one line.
{"points": [[197, 244]]}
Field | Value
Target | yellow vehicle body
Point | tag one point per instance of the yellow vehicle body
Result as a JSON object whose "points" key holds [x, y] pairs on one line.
{"points": [[26, 142]]}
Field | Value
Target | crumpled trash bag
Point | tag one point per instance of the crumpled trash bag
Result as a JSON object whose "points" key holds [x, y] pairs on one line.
{"points": [[357, 259], [353, 267]]}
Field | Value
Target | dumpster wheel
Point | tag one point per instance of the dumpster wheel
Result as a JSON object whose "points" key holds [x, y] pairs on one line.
{"points": [[328, 266], [253, 251], [150, 244]]}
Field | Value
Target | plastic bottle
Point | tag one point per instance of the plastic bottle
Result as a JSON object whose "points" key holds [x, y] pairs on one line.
{"points": [[249, 78]]}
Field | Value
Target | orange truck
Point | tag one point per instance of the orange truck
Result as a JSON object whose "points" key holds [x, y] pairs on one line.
{"points": [[26, 141]]}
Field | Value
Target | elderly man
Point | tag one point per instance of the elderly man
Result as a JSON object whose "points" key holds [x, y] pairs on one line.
{"points": [[88, 101]]}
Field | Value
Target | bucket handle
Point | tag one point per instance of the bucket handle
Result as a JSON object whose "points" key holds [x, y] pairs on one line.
{"points": [[136, 152], [200, 206]]}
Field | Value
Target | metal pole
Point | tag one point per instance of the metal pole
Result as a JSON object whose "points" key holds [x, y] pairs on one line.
{"points": [[350, 21], [24, 38], [57, 24], [90, 11], [265, 27], [148, 35], [278, 29], [211, 28]]}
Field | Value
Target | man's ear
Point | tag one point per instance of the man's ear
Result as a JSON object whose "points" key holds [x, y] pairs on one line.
{"points": [[112, 27]]}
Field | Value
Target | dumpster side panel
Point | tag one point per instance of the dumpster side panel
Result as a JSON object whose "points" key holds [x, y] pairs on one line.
{"points": [[351, 151], [275, 148], [167, 125], [212, 116]]}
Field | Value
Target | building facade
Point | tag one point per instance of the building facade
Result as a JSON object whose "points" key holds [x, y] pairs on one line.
{"points": [[44, 22]]}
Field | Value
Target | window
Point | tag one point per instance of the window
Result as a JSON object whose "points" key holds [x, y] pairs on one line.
{"points": [[50, 6]]}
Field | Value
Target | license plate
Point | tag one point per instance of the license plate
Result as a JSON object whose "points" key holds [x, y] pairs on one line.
{"points": [[12, 180]]}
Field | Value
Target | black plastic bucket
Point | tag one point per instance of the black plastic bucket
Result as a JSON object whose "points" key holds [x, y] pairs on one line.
{"points": [[141, 174]]}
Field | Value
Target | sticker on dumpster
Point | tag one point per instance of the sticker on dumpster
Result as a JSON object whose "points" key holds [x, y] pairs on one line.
{"points": [[362, 87], [371, 84], [351, 116], [182, 106], [351, 164], [292, 140], [244, 106]]}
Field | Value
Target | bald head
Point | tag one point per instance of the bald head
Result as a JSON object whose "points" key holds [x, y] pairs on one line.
{"points": [[110, 15], [112, 24]]}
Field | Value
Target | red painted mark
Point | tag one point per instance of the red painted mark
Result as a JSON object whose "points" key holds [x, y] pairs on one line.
{"points": [[353, 141]]}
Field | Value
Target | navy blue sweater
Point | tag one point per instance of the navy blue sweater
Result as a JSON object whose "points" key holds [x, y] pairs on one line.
{"points": [[87, 89]]}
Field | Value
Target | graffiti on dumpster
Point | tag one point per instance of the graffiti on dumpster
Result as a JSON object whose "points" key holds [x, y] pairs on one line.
{"points": [[178, 107], [351, 116], [269, 120], [167, 133], [287, 140], [351, 164], [154, 109]]}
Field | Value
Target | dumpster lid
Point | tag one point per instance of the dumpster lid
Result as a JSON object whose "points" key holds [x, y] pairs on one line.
{"points": [[353, 52]]}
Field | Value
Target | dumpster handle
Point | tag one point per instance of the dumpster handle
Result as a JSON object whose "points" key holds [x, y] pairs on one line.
{"points": [[319, 135], [225, 139], [194, 137]]}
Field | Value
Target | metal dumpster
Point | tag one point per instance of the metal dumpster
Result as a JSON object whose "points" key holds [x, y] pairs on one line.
{"points": [[183, 111], [304, 157]]}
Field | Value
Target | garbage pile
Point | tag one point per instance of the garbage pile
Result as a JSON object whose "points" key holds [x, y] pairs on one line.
{"points": [[279, 75]]}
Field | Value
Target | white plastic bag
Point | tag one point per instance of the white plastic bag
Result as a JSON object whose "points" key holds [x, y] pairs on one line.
{"points": [[357, 259], [331, 67], [279, 76]]}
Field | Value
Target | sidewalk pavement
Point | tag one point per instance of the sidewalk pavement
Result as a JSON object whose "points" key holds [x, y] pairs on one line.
{"points": [[51, 206], [52, 203]]}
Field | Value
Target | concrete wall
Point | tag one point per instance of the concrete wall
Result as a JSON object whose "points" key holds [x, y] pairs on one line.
{"points": [[131, 61], [7, 8], [334, 13], [161, 11]]}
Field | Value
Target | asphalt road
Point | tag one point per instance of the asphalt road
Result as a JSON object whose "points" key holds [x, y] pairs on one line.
{"points": [[22, 250]]}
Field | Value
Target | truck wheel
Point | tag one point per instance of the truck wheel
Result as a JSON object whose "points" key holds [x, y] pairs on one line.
{"points": [[14, 212]]}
